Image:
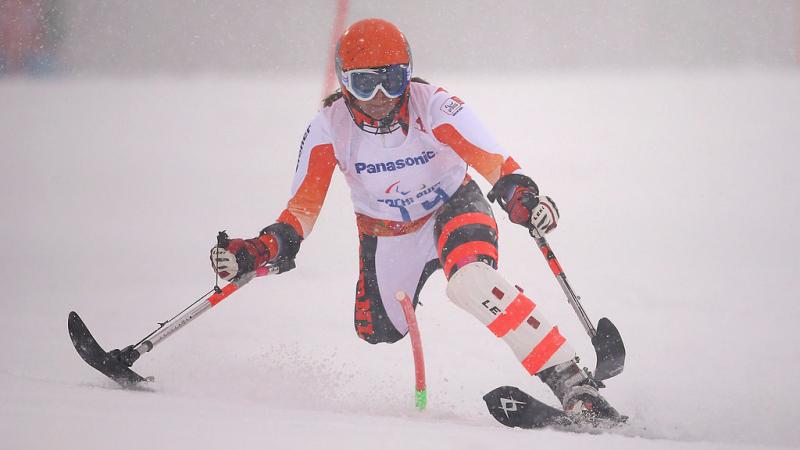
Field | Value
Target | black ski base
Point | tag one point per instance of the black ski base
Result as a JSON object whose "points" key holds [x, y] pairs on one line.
{"points": [[113, 364], [514, 408]]}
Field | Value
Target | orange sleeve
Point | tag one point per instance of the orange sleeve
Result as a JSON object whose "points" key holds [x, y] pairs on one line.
{"points": [[491, 166], [303, 208]]}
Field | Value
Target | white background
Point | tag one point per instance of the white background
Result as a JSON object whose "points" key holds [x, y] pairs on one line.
{"points": [[679, 209], [667, 132]]}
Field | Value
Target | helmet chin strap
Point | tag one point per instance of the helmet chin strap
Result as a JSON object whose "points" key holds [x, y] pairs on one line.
{"points": [[386, 121]]}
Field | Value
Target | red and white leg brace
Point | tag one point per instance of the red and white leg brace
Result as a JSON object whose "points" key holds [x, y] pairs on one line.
{"points": [[510, 315]]}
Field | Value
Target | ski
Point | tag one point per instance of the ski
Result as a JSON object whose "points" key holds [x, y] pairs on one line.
{"points": [[514, 408]]}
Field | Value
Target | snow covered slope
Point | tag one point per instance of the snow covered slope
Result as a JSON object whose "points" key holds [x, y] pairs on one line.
{"points": [[679, 200]]}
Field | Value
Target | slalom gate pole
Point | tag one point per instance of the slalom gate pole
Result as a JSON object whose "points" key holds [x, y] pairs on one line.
{"points": [[421, 395], [338, 28]]}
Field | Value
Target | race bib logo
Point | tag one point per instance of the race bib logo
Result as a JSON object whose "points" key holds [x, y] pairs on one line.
{"points": [[399, 164], [396, 188], [452, 106], [428, 197]]}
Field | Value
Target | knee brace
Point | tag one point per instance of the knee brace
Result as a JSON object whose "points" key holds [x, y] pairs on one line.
{"points": [[510, 315]]}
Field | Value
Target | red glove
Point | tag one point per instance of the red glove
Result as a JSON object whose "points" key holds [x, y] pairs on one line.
{"points": [[240, 256], [519, 205], [527, 208], [519, 196]]}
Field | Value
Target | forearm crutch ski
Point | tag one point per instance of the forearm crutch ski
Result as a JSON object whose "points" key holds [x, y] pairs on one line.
{"points": [[116, 363], [605, 338]]}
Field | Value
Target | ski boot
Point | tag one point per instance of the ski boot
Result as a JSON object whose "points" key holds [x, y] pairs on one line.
{"points": [[578, 393]]}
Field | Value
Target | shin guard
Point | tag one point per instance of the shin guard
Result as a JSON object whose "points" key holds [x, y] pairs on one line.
{"points": [[510, 315]]}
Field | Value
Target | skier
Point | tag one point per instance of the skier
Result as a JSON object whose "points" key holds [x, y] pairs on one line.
{"points": [[404, 146]]}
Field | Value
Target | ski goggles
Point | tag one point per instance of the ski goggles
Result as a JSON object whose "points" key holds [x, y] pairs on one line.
{"points": [[365, 83]]}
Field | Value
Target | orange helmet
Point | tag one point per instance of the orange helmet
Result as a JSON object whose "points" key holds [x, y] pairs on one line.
{"points": [[373, 43]]}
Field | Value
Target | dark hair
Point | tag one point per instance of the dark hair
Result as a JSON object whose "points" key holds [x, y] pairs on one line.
{"points": [[328, 101]]}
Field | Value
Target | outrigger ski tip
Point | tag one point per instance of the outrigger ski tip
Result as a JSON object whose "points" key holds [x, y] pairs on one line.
{"points": [[610, 350], [110, 363]]}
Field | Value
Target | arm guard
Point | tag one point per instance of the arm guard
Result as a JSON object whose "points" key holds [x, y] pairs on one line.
{"points": [[288, 245]]}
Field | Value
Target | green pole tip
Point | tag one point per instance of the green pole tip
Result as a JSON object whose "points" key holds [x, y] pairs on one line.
{"points": [[422, 399]]}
